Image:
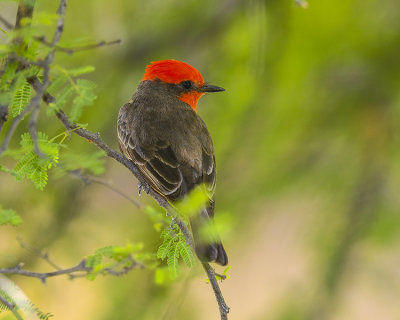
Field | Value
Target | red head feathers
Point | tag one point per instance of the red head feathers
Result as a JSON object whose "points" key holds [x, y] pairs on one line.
{"points": [[174, 71]]}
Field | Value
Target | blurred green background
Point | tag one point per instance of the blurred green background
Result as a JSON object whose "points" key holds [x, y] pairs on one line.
{"points": [[307, 145]]}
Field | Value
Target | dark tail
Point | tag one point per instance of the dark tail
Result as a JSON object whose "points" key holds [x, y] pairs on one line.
{"points": [[208, 246]]}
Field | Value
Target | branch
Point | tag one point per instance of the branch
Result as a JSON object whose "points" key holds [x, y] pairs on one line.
{"points": [[223, 307], [38, 253], [14, 126], [73, 272], [78, 48], [46, 73], [80, 267]]}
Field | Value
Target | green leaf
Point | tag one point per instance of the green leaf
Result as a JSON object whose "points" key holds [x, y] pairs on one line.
{"points": [[116, 256], [186, 252], [8, 216], [21, 99], [93, 162], [173, 262], [194, 201], [82, 70], [85, 98], [46, 19], [225, 273], [33, 167], [64, 95], [57, 83], [165, 248], [158, 217], [162, 276], [8, 75]]}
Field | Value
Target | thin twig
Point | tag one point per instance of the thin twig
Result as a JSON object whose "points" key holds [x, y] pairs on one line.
{"points": [[86, 179], [80, 267], [14, 126], [25, 63], [46, 74], [78, 48], [223, 307], [39, 253], [72, 272]]}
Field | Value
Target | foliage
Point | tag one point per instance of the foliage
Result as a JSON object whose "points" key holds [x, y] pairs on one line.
{"points": [[21, 98], [173, 248], [66, 87], [31, 165], [105, 259], [196, 200], [8, 216]]}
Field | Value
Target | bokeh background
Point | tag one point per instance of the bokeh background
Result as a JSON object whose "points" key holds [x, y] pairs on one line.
{"points": [[307, 145]]}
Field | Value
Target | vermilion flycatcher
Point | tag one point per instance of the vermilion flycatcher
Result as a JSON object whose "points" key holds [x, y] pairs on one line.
{"points": [[160, 131]]}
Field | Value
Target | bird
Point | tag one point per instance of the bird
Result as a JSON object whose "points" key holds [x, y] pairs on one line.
{"points": [[160, 131]]}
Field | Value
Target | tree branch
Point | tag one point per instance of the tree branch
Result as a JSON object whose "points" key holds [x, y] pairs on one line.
{"points": [[72, 272], [80, 267], [223, 307], [46, 74], [78, 48]]}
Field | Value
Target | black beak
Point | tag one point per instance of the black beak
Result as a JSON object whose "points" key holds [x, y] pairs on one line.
{"points": [[211, 88]]}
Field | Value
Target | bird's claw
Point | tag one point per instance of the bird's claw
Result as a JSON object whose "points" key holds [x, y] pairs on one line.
{"points": [[143, 186], [172, 223]]}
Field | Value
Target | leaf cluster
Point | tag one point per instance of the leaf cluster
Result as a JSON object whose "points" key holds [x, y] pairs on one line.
{"points": [[32, 166], [112, 259], [9, 216], [67, 87], [173, 248]]}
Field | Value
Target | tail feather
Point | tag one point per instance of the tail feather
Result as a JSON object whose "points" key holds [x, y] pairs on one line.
{"points": [[208, 246]]}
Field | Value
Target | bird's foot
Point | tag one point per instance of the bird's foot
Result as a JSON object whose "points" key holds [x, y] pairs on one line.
{"points": [[173, 221], [143, 186]]}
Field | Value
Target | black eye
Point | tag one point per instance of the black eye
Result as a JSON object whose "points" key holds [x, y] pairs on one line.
{"points": [[187, 84]]}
